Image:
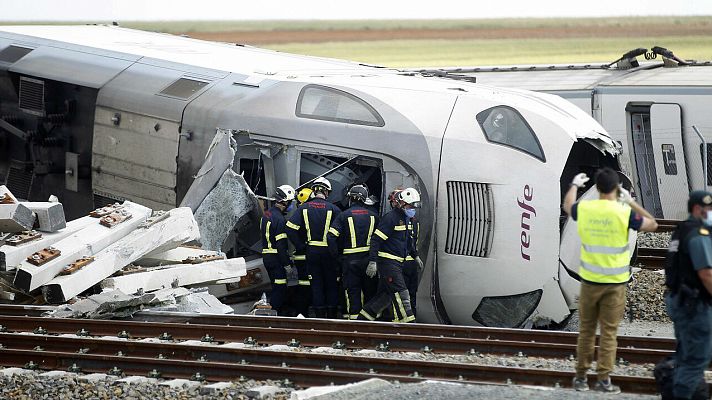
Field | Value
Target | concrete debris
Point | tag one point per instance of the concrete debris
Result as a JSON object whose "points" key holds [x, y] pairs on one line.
{"points": [[179, 275], [85, 242], [50, 216], [167, 232], [15, 217], [117, 304], [12, 256], [198, 301], [179, 255], [230, 201]]}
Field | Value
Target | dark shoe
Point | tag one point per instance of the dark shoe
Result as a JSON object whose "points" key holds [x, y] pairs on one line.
{"points": [[580, 384], [606, 387]]}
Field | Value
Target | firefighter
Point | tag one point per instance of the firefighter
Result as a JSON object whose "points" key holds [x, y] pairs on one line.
{"points": [[302, 297], [275, 249], [350, 238], [413, 266], [308, 228], [390, 245]]}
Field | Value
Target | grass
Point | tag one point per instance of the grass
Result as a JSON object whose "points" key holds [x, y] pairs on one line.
{"points": [[436, 53], [236, 26], [469, 52]]}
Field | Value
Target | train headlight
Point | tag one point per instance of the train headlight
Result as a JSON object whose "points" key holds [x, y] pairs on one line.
{"points": [[507, 311]]}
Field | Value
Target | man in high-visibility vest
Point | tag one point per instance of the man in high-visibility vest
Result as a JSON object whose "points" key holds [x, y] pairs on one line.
{"points": [[603, 226]]}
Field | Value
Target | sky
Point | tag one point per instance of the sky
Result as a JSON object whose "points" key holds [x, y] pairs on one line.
{"points": [[133, 10]]}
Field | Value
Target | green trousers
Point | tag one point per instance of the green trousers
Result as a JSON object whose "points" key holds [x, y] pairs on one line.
{"points": [[604, 305]]}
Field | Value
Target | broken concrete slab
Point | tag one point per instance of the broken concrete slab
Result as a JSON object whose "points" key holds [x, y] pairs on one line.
{"points": [[85, 242], [176, 228], [219, 157], [115, 303], [230, 200], [12, 256], [215, 388], [263, 392], [256, 278], [198, 301], [178, 275], [344, 391], [15, 218], [6, 196], [179, 255], [50, 216]]}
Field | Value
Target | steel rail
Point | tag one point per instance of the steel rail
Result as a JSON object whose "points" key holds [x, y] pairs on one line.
{"points": [[301, 376], [651, 257], [393, 329], [308, 336]]}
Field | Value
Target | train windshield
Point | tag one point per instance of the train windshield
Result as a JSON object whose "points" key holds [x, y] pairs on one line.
{"points": [[504, 125]]}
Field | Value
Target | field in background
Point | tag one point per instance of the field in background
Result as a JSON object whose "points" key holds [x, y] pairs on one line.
{"points": [[430, 43]]}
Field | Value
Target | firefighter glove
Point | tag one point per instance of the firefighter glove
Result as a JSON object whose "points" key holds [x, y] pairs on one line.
{"points": [[580, 180], [624, 195], [288, 269], [371, 269]]}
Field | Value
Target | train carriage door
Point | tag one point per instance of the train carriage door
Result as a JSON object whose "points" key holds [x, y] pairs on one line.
{"points": [[666, 137], [647, 178]]}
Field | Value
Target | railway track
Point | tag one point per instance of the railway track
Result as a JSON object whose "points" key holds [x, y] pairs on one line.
{"points": [[651, 258], [667, 225], [227, 347]]}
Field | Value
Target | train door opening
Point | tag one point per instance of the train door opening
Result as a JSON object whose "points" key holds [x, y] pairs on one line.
{"points": [[656, 132]]}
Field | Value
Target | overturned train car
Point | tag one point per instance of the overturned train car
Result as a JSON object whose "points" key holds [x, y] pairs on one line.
{"points": [[658, 111], [95, 114]]}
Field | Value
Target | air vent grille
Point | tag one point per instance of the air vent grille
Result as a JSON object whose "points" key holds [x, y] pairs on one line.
{"points": [[470, 219], [11, 54], [183, 88], [32, 95], [19, 179]]}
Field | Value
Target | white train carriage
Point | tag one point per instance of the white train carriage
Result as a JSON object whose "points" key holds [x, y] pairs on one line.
{"points": [[134, 113], [659, 111]]}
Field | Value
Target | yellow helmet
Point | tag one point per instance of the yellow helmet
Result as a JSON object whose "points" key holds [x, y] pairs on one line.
{"points": [[304, 195]]}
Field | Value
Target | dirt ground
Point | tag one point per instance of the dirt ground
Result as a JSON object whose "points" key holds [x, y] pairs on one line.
{"points": [[334, 35]]}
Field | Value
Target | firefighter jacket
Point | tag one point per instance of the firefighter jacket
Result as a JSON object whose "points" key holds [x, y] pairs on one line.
{"points": [[274, 236], [310, 224], [392, 239], [351, 231], [414, 231], [603, 228]]}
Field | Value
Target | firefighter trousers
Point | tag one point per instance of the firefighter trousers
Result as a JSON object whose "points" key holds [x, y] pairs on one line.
{"points": [[391, 292], [278, 278], [359, 287]]}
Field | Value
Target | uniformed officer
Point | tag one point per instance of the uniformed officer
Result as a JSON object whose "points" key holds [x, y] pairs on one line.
{"points": [[350, 236], [688, 276], [604, 270], [309, 227], [390, 245], [275, 250]]}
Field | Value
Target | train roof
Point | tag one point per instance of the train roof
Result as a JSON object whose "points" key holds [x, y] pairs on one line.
{"points": [[582, 76]]}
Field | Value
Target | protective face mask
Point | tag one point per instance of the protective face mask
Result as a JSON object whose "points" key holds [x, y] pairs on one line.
{"points": [[410, 212], [290, 207], [708, 218]]}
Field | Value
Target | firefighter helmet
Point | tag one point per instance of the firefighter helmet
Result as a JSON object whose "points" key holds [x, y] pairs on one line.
{"points": [[358, 192], [409, 196], [321, 183], [284, 193], [304, 195]]}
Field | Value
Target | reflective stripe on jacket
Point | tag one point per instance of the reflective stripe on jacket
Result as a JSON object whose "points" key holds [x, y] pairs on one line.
{"points": [[393, 239], [310, 224], [603, 229], [274, 238], [351, 231]]}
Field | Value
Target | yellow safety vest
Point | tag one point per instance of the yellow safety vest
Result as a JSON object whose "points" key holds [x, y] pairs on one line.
{"points": [[603, 229]]}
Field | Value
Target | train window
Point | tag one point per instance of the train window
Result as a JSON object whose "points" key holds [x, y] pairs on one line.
{"points": [[13, 53], [669, 159], [329, 104], [183, 88], [504, 125]]}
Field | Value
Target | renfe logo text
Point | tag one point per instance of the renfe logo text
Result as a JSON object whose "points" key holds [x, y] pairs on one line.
{"points": [[527, 212]]}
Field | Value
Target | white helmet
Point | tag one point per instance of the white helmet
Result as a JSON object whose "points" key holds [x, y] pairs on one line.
{"points": [[409, 196], [321, 182], [284, 193]]}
